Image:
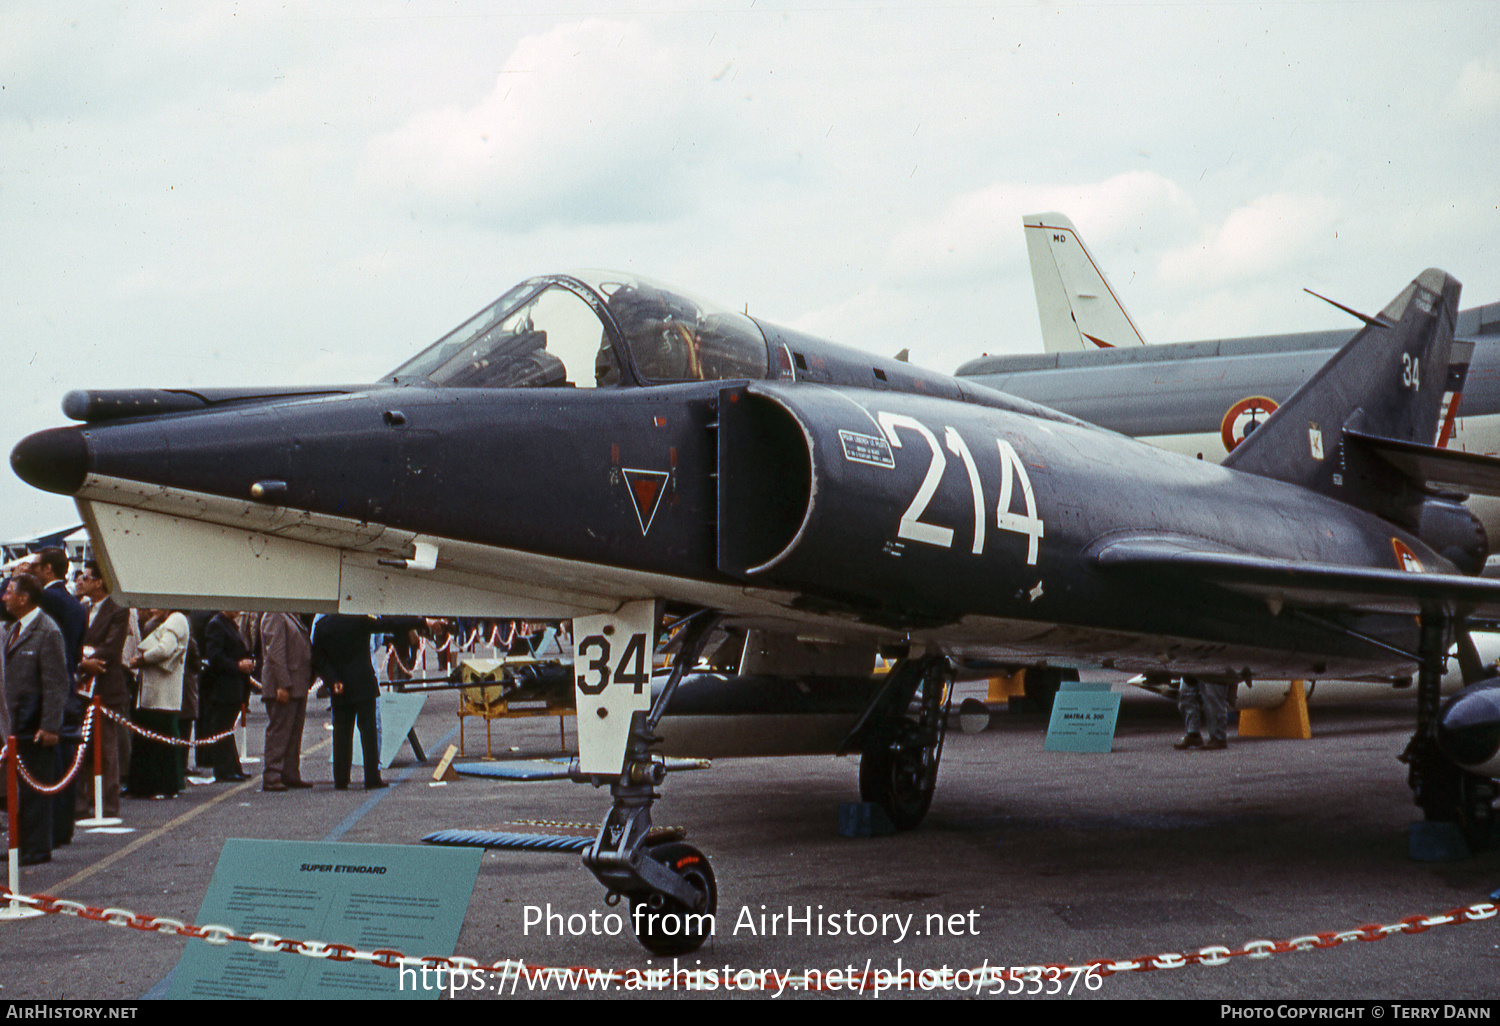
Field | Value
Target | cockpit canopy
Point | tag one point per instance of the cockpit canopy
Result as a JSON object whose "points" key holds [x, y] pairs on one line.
{"points": [[593, 328]]}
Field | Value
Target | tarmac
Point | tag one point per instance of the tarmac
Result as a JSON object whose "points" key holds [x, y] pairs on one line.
{"points": [[1027, 857]]}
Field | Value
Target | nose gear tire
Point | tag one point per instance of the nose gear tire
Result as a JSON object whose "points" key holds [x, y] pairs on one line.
{"points": [[675, 929]]}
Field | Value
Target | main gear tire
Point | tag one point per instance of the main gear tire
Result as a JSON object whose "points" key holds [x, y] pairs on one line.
{"points": [[1451, 795], [900, 779]]}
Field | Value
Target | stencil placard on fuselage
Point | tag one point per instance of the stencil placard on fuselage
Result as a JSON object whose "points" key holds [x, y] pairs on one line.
{"points": [[869, 449]]}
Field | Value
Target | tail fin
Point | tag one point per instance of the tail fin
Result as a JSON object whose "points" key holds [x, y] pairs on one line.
{"points": [[1078, 308], [1387, 384]]}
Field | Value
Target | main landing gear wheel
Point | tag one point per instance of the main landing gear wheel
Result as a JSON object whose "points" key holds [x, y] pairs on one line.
{"points": [[900, 777], [899, 767], [1448, 794], [673, 928]]}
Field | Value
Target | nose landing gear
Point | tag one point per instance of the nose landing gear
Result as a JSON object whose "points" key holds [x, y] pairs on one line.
{"points": [[670, 886]]}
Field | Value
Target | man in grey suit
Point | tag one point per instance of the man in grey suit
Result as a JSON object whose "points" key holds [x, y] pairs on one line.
{"points": [[50, 568], [285, 679], [36, 689]]}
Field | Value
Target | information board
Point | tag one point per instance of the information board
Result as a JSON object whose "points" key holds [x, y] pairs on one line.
{"points": [[410, 898], [1083, 719]]}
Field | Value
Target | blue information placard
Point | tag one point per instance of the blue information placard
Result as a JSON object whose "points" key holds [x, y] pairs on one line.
{"points": [[409, 898], [1083, 719]]}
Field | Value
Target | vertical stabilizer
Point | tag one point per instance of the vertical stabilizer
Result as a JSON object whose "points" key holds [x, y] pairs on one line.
{"points": [[1078, 309], [1390, 381]]}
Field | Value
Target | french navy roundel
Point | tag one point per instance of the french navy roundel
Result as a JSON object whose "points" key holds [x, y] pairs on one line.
{"points": [[1243, 418]]}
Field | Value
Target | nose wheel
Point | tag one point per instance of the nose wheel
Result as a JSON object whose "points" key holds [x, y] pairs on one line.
{"points": [[666, 925]]}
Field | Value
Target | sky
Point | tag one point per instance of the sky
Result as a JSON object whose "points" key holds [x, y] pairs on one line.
{"points": [[247, 193]]}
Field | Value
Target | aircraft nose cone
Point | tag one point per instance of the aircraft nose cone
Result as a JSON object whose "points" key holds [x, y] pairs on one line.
{"points": [[55, 460]]}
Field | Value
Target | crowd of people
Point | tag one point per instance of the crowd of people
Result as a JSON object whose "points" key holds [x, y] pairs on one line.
{"points": [[174, 675]]}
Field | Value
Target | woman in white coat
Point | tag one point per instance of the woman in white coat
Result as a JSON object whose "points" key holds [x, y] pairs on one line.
{"points": [[159, 660]]}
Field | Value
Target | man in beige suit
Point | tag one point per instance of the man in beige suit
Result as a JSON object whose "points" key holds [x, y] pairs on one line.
{"points": [[285, 678]]}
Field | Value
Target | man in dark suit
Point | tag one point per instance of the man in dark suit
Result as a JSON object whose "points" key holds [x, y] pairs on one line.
{"points": [[222, 688], [341, 656], [36, 689], [102, 662], [50, 568]]}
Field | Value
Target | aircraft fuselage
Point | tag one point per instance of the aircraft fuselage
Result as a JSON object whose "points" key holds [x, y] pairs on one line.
{"points": [[878, 514]]}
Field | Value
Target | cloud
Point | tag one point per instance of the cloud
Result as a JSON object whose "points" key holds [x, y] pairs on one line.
{"points": [[980, 231], [588, 122], [1264, 236], [1476, 94]]}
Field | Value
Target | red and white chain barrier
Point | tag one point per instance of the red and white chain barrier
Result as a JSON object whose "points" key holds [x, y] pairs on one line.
{"points": [[514, 970], [16, 772], [67, 778], [88, 724], [180, 742]]}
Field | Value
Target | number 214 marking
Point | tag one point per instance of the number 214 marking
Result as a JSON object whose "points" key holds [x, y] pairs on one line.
{"points": [[914, 528]]}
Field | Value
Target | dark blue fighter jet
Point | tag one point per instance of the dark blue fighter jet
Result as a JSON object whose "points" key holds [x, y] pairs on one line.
{"points": [[600, 447]]}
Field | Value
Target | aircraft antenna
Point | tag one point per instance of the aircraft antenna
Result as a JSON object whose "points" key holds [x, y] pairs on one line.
{"points": [[1374, 322]]}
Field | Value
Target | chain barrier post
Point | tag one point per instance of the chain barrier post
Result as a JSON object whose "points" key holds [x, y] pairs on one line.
{"points": [[241, 733], [98, 734], [15, 909], [96, 738], [13, 815]]}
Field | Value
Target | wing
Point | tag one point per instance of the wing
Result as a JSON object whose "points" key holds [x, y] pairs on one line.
{"points": [[1289, 582]]}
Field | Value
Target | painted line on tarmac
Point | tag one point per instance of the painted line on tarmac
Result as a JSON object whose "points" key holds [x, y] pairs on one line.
{"points": [[376, 798], [171, 824]]}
